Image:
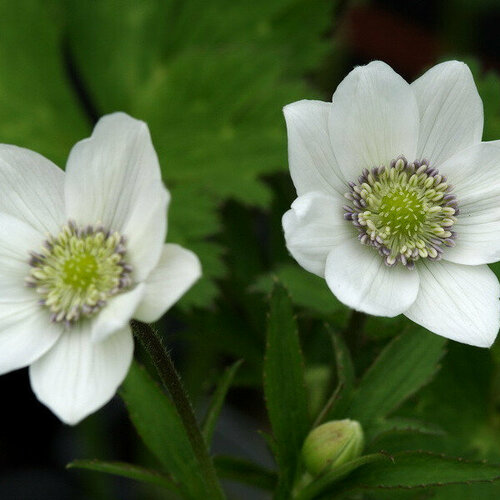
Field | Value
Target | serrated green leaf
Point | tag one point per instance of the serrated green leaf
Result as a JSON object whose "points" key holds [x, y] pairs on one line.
{"points": [[38, 107], [345, 367], [217, 401], [306, 290], [403, 425], [156, 420], [327, 481], [284, 387], [244, 471], [481, 491], [123, 469], [463, 388], [420, 469], [346, 377], [403, 367], [210, 79]]}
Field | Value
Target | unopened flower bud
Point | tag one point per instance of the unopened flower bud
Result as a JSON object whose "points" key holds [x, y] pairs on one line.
{"points": [[332, 444]]}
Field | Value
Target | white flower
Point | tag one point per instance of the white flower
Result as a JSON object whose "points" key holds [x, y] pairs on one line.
{"points": [[422, 214], [81, 253]]}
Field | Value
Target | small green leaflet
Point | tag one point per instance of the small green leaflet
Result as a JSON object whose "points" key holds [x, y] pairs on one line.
{"points": [[284, 388], [217, 401], [409, 362], [123, 469], [157, 422]]}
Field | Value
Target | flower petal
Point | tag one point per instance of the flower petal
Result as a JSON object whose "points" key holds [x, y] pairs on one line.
{"points": [[26, 333], [475, 173], [17, 239], [117, 313], [313, 166], [313, 227], [373, 119], [458, 302], [176, 272], [451, 111], [359, 278], [78, 376], [32, 189], [114, 178]]}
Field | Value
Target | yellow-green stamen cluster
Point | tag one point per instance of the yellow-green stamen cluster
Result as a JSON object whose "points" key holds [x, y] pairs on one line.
{"points": [[405, 211], [78, 271]]}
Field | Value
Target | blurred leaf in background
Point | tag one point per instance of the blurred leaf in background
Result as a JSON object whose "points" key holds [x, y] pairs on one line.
{"points": [[210, 78]]}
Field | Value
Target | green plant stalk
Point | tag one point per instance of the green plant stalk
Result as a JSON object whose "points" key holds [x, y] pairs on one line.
{"points": [[164, 365], [353, 332]]}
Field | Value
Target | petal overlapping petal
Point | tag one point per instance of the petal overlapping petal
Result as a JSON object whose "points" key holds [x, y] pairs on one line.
{"points": [[117, 313], [313, 227], [176, 272], [78, 376], [458, 302], [475, 173], [313, 166], [359, 278], [26, 334], [374, 118], [451, 111], [17, 239], [32, 189], [114, 178]]}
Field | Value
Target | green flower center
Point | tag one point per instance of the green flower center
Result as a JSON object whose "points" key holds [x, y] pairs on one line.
{"points": [[405, 211], [78, 271]]}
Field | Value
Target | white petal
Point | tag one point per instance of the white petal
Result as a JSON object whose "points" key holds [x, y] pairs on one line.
{"points": [[32, 188], [78, 376], [176, 272], [17, 239], [451, 111], [26, 333], [475, 175], [117, 313], [114, 178], [313, 227], [374, 119], [458, 302], [313, 166], [359, 278]]}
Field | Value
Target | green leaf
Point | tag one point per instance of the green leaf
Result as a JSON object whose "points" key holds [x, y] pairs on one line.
{"points": [[403, 425], [244, 471], [404, 366], [125, 470], [345, 367], [324, 483], [217, 401], [284, 387], [39, 109], [420, 469], [306, 290], [160, 427], [210, 78], [346, 377]]}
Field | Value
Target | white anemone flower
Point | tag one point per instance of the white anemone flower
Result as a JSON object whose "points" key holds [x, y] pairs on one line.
{"points": [[81, 253], [398, 202]]}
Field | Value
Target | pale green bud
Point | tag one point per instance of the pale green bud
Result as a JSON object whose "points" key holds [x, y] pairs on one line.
{"points": [[332, 444]]}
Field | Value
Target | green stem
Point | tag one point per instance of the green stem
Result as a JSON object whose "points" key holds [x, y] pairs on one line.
{"points": [[164, 365], [353, 333]]}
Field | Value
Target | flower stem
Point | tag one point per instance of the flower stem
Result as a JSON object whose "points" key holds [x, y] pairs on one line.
{"points": [[164, 365], [353, 333]]}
